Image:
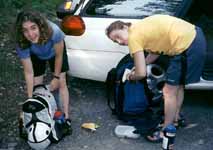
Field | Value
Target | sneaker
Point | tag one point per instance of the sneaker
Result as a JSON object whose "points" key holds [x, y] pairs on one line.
{"points": [[125, 131]]}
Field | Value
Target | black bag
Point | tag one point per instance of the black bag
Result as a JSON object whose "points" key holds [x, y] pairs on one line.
{"points": [[128, 100], [132, 101]]}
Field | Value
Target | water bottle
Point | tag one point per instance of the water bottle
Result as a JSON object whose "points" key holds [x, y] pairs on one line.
{"points": [[59, 117], [169, 137]]}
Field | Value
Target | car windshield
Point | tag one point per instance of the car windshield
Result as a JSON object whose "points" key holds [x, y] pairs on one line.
{"points": [[130, 8]]}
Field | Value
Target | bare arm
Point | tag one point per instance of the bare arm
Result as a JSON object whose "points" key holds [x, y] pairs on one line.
{"points": [[28, 74], [150, 58], [59, 47], [139, 71]]}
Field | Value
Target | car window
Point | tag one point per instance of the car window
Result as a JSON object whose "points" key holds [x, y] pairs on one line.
{"points": [[131, 8]]}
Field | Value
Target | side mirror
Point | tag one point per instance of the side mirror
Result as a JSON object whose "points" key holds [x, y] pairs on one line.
{"points": [[73, 25]]}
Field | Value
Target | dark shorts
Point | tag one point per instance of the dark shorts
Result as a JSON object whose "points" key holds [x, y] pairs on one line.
{"points": [[39, 65], [187, 67]]}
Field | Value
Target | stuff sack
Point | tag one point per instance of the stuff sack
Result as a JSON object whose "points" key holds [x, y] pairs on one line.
{"points": [[37, 117]]}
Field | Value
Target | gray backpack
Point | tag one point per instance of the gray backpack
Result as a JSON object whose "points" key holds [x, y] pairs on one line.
{"points": [[37, 118]]}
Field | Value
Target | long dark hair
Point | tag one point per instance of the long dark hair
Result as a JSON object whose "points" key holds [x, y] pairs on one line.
{"points": [[37, 18], [117, 25]]}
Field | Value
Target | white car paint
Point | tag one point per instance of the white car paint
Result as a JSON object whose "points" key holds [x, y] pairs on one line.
{"points": [[93, 50], [202, 85]]}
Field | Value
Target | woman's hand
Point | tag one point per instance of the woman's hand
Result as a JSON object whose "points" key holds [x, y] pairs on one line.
{"points": [[130, 76], [54, 84]]}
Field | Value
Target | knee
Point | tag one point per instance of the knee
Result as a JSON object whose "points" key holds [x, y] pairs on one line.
{"points": [[170, 90]]}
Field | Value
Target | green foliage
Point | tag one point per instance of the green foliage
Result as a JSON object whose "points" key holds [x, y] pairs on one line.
{"points": [[47, 7], [10, 8]]}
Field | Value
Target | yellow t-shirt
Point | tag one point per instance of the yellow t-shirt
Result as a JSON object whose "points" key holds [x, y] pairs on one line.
{"points": [[161, 34]]}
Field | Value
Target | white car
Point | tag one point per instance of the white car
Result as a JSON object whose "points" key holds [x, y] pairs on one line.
{"points": [[90, 53]]}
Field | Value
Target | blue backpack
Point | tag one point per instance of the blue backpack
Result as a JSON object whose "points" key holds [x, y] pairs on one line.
{"points": [[137, 103], [130, 99]]}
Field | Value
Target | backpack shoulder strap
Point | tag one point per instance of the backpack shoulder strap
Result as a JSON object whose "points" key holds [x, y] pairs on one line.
{"points": [[110, 83]]}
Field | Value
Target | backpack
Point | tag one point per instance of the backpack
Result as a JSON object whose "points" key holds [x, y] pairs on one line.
{"points": [[37, 118], [127, 99], [133, 101]]}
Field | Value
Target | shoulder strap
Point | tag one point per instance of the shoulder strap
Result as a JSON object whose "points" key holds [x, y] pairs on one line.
{"points": [[110, 83], [40, 99]]}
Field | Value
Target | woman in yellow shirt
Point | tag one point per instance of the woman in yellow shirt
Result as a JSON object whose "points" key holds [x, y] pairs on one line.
{"points": [[166, 35]]}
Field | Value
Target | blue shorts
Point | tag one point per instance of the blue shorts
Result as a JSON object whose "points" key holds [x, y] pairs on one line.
{"points": [[187, 67]]}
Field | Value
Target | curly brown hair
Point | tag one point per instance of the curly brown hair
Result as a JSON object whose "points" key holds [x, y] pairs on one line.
{"points": [[37, 18]]}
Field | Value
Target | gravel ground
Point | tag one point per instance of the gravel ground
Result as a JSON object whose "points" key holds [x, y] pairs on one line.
{"points": [[89, 105]]}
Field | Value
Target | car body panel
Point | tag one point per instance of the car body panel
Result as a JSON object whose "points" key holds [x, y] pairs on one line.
{"points": [[202, 85], [94, 53]]}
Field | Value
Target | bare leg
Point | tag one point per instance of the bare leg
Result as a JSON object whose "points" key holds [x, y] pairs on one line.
{"points": [[38, 80], [180, 97], [170, 103], [64, 94], [170, 107]]}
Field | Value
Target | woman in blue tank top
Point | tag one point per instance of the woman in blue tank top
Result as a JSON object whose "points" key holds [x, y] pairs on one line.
{"points": [[40, 41]]}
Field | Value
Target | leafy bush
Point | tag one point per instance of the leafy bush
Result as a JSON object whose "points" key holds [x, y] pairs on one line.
{"points": [[10, 8], [13, 6]]}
